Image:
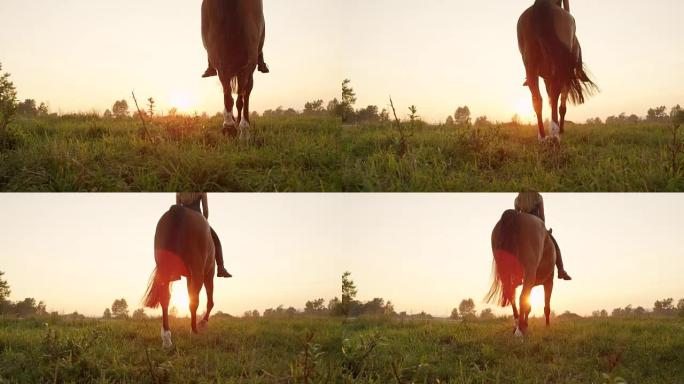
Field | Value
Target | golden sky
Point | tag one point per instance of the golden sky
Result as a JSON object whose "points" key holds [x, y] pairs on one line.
{"points": [[422, 251], [81, 55]]}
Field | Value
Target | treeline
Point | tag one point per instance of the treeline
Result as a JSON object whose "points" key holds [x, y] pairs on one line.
{"points": [[661, 308], [25, 308], [655, 115], [349, 306]]}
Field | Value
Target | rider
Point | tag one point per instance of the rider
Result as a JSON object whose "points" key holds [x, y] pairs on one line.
{"points": [[531, 202], [192, 201]]}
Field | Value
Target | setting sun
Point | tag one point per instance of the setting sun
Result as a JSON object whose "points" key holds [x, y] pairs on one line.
{"points": [[524, 108], [181, 100], [179, 298]]}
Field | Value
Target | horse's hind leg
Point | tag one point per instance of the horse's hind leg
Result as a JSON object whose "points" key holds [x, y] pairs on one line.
{"points": [[228, 103], [525, 306], [553, 90], [537, 102], [245, 85], [516, 316], [166, 331], [548, 288], [209, 287], [194, 287], [563, 109]]}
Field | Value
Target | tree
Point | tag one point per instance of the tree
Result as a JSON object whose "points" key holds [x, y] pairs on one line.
{"points": [[26, 308], [680, 307], [346, 109], [656, 114], [487, 314], [8, 99], [139, 314], [604, 313], [314, 306], [27, 108], [173, 112], [663, 307], [449, 121], [467, 309], [313, 107], [107, 314], [454, 314], [348, 293], [41, 309], [482, 121], [4, 289], [334, 307], [120, 109], [107, 114], [639, 311], [120, 309], [150, 107], [384, 115], [462, 115], [42, 109], [374, 307], [368, 114]]}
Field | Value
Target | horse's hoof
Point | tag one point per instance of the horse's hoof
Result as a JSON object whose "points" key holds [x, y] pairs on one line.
{"points": [[244, 130], [555, 131], [230, 131], [203, 324], [518, 332], [166, 339]]}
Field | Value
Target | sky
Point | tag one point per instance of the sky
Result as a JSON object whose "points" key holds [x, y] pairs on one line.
{"points": [[81, 55], [424, 252]]}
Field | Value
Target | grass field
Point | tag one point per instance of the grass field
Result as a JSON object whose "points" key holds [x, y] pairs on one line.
{"points": [[80, 153], [336, 351]]}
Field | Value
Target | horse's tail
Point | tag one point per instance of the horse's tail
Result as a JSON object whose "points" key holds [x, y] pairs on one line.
{"points": [[234, 84], [157, 290], [565, 65], [506, 269], [579, 83]]}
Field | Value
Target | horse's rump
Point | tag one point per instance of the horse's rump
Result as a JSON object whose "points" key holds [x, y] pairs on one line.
{"points": [[506, 232], [507, 272], [224, 35], [555, 58]]}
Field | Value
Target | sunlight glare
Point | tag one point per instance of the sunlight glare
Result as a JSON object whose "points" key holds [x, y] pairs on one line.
{"points": [[182, 100], [179, 298], [524, 108], [537, 299]]}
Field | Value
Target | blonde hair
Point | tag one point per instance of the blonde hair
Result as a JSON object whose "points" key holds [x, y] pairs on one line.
{"points": [[528, 201], [188, 198]]}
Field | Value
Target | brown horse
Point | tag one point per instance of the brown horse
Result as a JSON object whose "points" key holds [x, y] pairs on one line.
{"points": [[233, 34], [524, 254], [550, 49], [182, 247]]}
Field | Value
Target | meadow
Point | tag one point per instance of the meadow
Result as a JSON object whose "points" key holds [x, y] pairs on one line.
{"points": [[328, 350], [320, 154]]}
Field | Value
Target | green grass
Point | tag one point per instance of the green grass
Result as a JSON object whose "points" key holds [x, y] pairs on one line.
{"points": [[336, 351], [320, 154]]}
